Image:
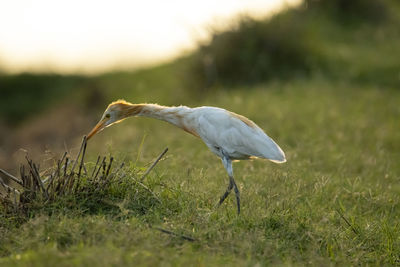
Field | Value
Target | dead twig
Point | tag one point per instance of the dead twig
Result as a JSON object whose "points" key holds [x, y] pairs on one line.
{"points": [[83, 156], [65, 167], [109, 166], [185, 237], [95, 166], [117, 170], [36, 169], [71, 177], [83, 145], [52, 175], [12, 177], [103, 162], [35, 174], [154, 164], [6, 188], [105, 179]]}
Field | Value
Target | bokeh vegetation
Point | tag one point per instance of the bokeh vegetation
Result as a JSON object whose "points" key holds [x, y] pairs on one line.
{"points": [[352, 41], [329, 38], [322, 80], [23, 95]]}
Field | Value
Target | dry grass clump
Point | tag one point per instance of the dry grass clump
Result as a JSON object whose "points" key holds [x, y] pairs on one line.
{"points": [[68, 177]]}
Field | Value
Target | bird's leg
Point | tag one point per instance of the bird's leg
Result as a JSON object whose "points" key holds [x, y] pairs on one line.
{"points": [[237, 193], [228, 190], [232, 184]]}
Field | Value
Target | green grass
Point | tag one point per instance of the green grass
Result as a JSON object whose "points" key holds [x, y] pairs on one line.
{"points": [[335, 202], [342, 142]]}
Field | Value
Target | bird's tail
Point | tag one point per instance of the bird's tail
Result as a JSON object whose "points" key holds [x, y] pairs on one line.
{"points": [[273, 152]]}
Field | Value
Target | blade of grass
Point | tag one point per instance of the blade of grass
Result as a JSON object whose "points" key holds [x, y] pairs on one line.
{"points": [[347, 222], [140, 149]]}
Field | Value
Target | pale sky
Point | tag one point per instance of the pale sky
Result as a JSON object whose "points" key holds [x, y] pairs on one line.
{"points": [[94, 36]]}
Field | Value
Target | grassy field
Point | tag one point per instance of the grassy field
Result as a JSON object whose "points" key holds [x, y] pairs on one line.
{"points": [[336, 200], [322, 83]]}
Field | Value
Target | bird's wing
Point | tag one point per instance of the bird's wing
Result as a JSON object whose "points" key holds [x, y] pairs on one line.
{"points": [[238, 136]]}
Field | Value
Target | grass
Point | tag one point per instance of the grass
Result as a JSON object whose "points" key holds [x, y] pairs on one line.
{"points": [[336, 200]]}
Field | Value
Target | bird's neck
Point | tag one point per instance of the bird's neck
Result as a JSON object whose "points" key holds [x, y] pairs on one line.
{"points": [[178, 116]]}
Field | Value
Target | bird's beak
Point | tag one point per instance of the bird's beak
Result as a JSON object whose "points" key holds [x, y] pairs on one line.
{"points": [[100, 126]]}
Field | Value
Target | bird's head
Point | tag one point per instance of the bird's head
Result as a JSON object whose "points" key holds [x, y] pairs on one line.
{"points": [[114, 113]]}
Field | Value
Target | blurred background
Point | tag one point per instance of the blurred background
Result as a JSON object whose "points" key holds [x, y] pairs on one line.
{"points": [[62, 62]]}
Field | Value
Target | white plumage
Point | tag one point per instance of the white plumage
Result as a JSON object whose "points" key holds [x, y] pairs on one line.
{"points": [[221, 129], [228, 135]]}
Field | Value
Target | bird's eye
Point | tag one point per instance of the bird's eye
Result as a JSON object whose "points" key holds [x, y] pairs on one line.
{"points": [[108, 115]]}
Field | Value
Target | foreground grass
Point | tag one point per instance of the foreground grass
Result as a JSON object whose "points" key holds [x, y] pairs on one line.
{"points": [[335, 201]]}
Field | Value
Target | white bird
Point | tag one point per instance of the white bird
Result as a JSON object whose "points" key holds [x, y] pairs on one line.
{"points": [[228, 135]]}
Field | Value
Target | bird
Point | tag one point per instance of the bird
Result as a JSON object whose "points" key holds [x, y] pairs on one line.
{"points": [[228, 135]]}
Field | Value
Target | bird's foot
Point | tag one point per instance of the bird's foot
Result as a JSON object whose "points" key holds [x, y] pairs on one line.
{"points": [[227, 192], [237, 193], [232, 185]]}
